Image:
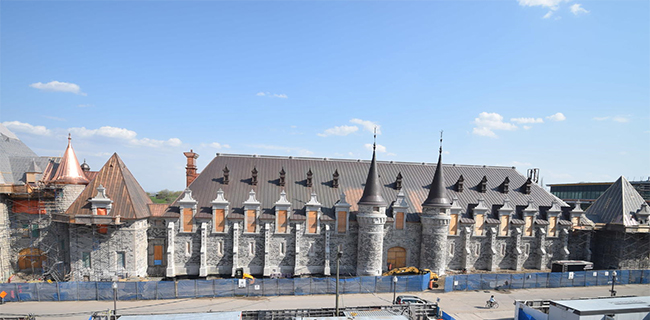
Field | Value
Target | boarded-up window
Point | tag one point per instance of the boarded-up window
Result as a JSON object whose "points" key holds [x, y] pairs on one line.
{"points": [[27, 206], [102, 228], [282, 221], [503, 227], [453, 224], [552, 226], [529, 226], [396, 257], [157, 255], [399, 221], [312, 222], [343, 221], [31, 258], [250, 221], [101, 211], [187, 220], [478, 224], [219, 220], [575, 221]]}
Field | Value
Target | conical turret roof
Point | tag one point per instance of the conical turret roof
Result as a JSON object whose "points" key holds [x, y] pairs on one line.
{"points": [[372, 192], [69, 171], [437, 195]]}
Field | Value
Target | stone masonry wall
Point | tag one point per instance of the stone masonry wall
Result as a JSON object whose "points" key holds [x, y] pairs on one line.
{"points": [[408, 238], [5, 242]]}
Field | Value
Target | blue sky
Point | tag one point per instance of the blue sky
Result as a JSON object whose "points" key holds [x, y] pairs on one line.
{"points": [[563, 86]]}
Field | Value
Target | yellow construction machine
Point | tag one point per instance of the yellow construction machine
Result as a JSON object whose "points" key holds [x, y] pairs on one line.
{"points": [[433, 277]]}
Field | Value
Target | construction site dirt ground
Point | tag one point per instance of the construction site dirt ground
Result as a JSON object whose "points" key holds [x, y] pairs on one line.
{"points": [[460, 304]]}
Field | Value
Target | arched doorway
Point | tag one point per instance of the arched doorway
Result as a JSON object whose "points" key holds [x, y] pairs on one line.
{"points": [[396, 257], [30, 257]]}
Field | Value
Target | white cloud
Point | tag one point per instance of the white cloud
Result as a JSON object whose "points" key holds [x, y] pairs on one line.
{"points": [[272, 95], [380, 148], [551, 4], [548, 14], [127, 135], [391, 154], [486, 123], [527, 120], [339, 131], [85, 105], [367, 125], [216, 145], [290, 150], [18, 126], [57, 86], [578, 9], [557, 117], [620, 119], [527, 127]]}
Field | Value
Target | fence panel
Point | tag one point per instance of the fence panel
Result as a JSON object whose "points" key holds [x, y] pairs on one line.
{"points": [[473, 282], [224, 287], [351, 285], [579, 278], [255, 288], [504, 281], [104, 290], [127, 290], [622, 277], [645, 278], [591, 278], [302, 286], [488, 281], [270, 287], [285, 286], [240, 287], [460, 282], [166, 290], [186, 289], [604, 277], [566, 279], [68, 291], [517, 281], [384, 284], [635, 276], [47, 291], [319, 286], [12, 291], [542, 280], [555, 279], [368, 284], [204, 288], [416, 283], [449, 283], [530, 280], [147, 290]]}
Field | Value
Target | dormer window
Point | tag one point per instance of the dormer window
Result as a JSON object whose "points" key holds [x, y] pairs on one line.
{"points": [[460, 183], [188, 209], [505, 185], [254, 176], [226, 174], [282, 177], [398, 181], [335, 179], [527, 186], [310, 176], [482, 186]]}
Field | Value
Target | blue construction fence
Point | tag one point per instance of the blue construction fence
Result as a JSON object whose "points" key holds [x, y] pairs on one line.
{"points": [[491, 281], [151, 290]]}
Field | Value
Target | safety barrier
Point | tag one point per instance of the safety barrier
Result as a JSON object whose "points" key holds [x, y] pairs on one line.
{"points": [[491, 281], [151, 290]]}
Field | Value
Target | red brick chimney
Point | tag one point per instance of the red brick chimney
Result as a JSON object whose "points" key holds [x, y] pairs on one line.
{"points": [[190, 170]]}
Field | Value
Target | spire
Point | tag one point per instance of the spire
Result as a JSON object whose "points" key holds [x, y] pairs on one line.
{"points": [[372, 192], [69, 171], [437, 196]]}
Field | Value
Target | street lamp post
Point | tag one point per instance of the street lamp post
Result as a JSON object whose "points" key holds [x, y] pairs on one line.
{"points": [[613, 282], [394, 288], [338, 262], [114, 300]]}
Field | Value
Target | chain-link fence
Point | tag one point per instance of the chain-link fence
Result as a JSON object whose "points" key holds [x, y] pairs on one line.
{"points": [[151, 290], [491, 281]]}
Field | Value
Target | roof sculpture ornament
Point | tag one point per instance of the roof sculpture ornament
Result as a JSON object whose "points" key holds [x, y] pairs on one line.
{"points": [[226, 175], [283, 199], [398, 181], [460, 184], [220, 199], [335, 178], [505, 185], [437, 196], [254, 176], [310, 178], [282, 177], [372, 191], [527, 186], [69, 171], [482, 186], [251, 199]]}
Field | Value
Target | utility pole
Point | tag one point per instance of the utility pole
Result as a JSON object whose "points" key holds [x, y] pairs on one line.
{"points": [[338, 262]]}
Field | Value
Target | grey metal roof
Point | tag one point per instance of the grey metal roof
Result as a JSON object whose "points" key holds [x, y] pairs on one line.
{"points": [[11, 147], [352, 175], [616, 205]]}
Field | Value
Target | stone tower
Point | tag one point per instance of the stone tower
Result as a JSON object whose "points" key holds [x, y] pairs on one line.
{"points": [[435, 223], [371, 219], [69, 178]]}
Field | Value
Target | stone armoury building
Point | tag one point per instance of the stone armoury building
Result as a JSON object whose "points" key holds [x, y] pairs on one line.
{"points": [[289, 216]]}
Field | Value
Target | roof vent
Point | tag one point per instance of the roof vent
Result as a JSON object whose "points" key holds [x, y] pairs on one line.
{"points": [[254, 176], [309, 178], [460, 183], [398, 181], [282, 176], [505, 185], [335, 179], [226, 174], [482, 186]]}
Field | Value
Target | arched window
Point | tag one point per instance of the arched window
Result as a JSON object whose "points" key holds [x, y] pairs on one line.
{"points": [[396, 257]]}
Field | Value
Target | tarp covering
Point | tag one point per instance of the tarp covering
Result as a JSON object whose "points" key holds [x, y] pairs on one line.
{"points": [[231, 315]]}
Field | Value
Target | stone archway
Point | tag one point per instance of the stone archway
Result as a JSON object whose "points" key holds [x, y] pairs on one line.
{"points": [[31, 257], [396, 257]]}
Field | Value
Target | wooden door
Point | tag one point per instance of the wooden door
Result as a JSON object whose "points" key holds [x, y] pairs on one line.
{"points": [[396, 257]]}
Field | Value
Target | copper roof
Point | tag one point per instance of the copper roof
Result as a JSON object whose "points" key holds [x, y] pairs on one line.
{"points": [[69, 171], [129, 199], [158, 209]]}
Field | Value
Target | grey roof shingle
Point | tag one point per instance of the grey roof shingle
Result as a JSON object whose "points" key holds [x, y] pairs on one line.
{"points": [[352, 175], [616, 205]]}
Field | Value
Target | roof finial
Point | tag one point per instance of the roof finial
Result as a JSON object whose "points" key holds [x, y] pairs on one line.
{"points": [[69, 136], [440, 141], [374, 142]]}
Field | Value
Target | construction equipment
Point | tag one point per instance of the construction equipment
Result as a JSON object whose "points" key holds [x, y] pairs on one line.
{"points": [[433, 277]]}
